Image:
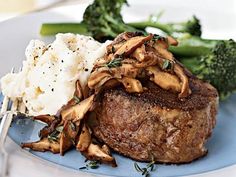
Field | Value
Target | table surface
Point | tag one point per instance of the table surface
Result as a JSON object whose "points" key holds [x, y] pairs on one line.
{"points": [[23, 164]]}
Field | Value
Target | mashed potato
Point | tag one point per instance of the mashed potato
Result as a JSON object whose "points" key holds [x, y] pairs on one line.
{"points": [[47, 80]]}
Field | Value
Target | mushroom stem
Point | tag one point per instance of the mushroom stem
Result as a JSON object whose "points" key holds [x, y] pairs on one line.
{"points": [[84, 139], [185, 90], [94, 152], [77, 112], [43, 145], [165, 80]]}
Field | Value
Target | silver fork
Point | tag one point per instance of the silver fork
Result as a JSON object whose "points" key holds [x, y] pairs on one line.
{"points": [[17, 106]]}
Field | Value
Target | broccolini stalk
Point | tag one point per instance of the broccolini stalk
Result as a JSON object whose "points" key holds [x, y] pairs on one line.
{"points": [[218, 66], [192, 26], [190, 46], [54, 28]]}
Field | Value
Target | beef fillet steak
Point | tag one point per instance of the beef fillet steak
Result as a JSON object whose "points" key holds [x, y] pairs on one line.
{"points": [[156, 123]]}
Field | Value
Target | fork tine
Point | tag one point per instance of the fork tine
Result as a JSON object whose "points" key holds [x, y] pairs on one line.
{"points": [[14, 105], [21, 107], [4, 104], [4, 126], [6, 99]]}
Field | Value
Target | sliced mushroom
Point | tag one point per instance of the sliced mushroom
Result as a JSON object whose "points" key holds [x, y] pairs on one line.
{"points": [[86, 91], [48, 119], [94, 152], [121, 38], [78, 90], [84, 139], [68, 135], [100, 62], [113, 47], [111, 84], [161, 48], [172, 41], [165, 80], [77, 112], [103, 75], [104, 85], [106, 149], [140, 53], [129, 61], [43, 145], [119, 41], [185, 90], [151, 60], [99, 86], [125, 70], [70, 103], [132, 44], [131, 85], [97, 76], [49, 129]]}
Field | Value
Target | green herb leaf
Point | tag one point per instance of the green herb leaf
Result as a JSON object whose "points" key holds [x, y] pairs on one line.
{"points": [[72, 126], [136, 166], [157, 37], [114, 63], [55, 134], [152, 167], [113, 50], [92, 164], [146, 170], [60, 128], [52, 138], [77, 99], [167, 65], [72, 141], [94, 167], [82, 168]]}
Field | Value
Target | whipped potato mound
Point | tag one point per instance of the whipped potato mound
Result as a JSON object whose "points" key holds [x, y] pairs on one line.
{"points": [[47, 80]]}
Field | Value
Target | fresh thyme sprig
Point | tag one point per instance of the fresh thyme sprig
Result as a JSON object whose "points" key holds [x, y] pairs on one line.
{"points": [[59, 128], [55, 134], [91, 164], [114, 63], [113, 50], [145, 171], [167, 65], [157, 37], [72, 126], [77, 99]]}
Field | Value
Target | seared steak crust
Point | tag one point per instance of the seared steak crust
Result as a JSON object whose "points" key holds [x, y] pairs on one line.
{"points": [[156, 124]]}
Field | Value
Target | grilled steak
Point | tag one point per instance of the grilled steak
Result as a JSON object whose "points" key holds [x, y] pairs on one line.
{"points": [[156, 123]]}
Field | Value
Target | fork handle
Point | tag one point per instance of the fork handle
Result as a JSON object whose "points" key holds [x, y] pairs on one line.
{"points": [[4, 127], [4, 165]]}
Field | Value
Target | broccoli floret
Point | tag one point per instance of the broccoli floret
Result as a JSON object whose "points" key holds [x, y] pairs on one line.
{"points": [[218, 66], [104, 19], [192, 26]]}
